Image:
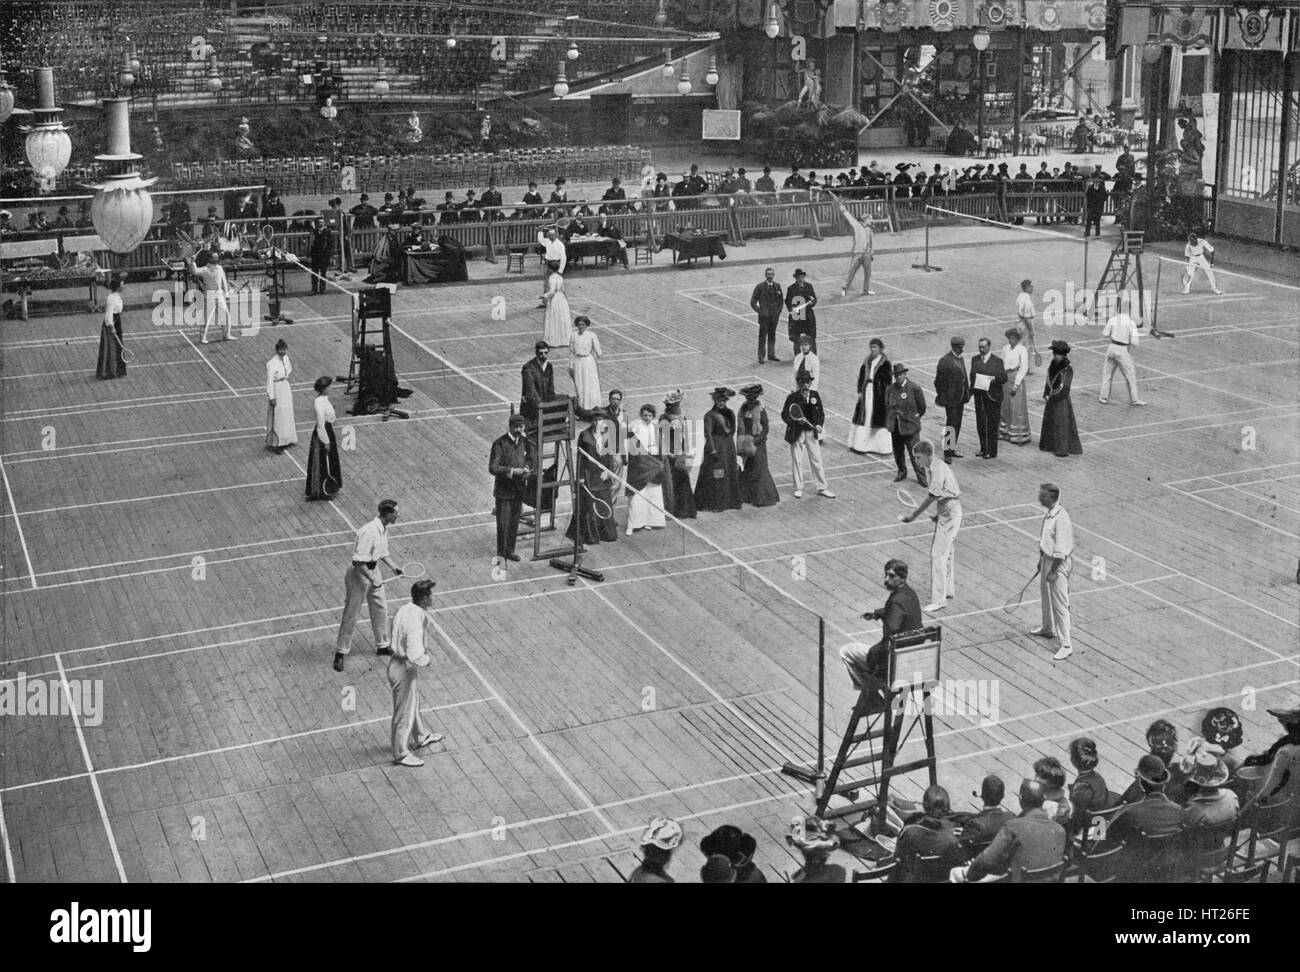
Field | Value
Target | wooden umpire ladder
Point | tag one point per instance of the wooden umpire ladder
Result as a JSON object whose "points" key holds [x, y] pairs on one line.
{"points": [[1123, 269], [869, 758], [555, 428]]}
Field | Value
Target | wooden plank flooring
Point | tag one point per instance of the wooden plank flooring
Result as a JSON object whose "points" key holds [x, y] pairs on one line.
{"points": [[152, 546]]}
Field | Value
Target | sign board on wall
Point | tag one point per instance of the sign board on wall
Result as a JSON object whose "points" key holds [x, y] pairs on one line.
{"points": [[721, 124]]}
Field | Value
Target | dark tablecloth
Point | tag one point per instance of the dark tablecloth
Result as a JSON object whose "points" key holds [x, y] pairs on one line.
{"points": [[700, 245], [433, 266], [577, 249]]}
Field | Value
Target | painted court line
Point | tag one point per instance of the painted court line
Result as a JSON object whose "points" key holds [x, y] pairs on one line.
{"points": [[159, 496], [18, 523]]}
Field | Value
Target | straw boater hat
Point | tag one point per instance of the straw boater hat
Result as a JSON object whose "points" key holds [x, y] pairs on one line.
{"points": [[662, 833]]}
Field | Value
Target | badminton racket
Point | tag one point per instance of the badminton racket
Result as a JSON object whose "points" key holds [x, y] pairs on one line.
{"points": [[796, 413], [1014, 602], [127, 354], [603, 510], [412, 570], [907, 500]]}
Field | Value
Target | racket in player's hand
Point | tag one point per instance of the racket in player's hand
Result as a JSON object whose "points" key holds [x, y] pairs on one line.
{"points": [[906, 499], [412, 570], [126, 353], [1015, 600]]}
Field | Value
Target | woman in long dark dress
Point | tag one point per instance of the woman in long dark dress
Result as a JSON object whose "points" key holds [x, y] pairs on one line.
{"points": [[595, 482], [324, 475], [1060, 434], [756, 486], [110, 364], [677, 454], [718, 487]]}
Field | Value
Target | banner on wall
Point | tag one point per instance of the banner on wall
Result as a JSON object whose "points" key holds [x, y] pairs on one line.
{"points": [[721, 125]]}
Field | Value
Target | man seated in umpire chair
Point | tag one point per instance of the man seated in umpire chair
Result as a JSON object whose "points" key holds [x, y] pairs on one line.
{"points": [[869, 669]]}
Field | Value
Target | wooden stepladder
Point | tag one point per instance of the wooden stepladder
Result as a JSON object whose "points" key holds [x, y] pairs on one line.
{"points": [[1123, 269], [553, 439], [889, 726]]}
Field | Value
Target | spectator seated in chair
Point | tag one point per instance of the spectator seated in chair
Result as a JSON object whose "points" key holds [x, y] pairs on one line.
{"points": [[658, 842], [717, 870], [1051, 774], [737, 848], [1281, 781], [1222, 727], [1030, 841], [815, 839], [1153, 816], [1162, 741], [931, 836], [1212, 804], [1088, 792], [979, 829]]}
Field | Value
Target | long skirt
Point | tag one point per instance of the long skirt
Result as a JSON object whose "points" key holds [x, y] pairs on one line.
{"points": [[718, 486], [597, 522], [324, 474], [756, 486], [646, 509], [586, 382], [1014, 427], [281, 430], [1060, 434], [110, 364], [863, 438], [681, 500], [558, 327]]}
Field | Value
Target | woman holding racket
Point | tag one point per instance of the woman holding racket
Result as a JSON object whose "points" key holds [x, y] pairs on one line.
{"points": [[281, 429], [942, 490], [594, 521], [324, 475], [112, 361]]}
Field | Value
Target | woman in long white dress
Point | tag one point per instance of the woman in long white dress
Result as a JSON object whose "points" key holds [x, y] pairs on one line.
{"points": [[869, 434], [558, 328], [1014, 427], [645, 475], [584, 349], [280, 428]]}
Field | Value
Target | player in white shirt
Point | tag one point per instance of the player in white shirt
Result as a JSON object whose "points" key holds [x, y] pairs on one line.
{"points": [[1123, 333], [409, 656], [1055, 561], [942, 489], [1025, 313], [1195, 251]]}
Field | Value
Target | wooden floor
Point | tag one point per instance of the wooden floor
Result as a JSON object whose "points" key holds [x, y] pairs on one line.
{"points": [[152, 545]]}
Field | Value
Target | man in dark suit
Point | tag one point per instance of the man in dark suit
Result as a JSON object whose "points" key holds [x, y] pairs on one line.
{"points": [[800, 301], [1094, 201], [952, 391], [320, 250], [510, 463], [978, 830], [696, 185], [767, 301], [929, 836], [614, 196], [804, 437], [1155, 815], [532, 198], [988, 400], [538, 383], [904, 406], [869, 667], [491, 199], [1027, 842]]}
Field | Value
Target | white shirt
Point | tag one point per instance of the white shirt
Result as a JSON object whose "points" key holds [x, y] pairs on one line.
{"points": [[554, 249], [1025, 306], [112, 305], [372, 542], [1121, 329], [213, 277], [324, 413], [809, 363], [1056, 539], [943, 487], [278, 369], [1199, 249], [1017, 358], [407, 635]]}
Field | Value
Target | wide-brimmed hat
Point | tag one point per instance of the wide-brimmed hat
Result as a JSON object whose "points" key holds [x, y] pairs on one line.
{"points": [[800, 273], [752, 391], [663, 833], [723, 391], [1288, 717], [1152, 770], [1204, 766], [903, 166], [1222, 727], [813, 834], [1060, 347], [731, 842], [900, 368], [673, 397]]}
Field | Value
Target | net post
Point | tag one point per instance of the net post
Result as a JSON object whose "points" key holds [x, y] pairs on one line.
{"points": [[821, 697]]}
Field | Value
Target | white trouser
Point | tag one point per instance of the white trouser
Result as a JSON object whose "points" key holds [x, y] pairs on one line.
{"points": [[1195, 263], [407, 727], [1119, 357], [807, 444], [942, 557], [1055, 598], [214, 304]]}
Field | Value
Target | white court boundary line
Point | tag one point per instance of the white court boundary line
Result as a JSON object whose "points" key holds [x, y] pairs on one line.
{"points": [[1200, 498], [11, 875], [18, 523], [159, 496], [90, 772]]}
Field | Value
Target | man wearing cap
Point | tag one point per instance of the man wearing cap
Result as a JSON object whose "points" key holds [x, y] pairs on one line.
{"points": [[794, 180], [806, 360], [987, 376], [952, 392], [743, 184], [510, 463], [1027, 842], [1122, 331], [538, 376], [409, 656], [804, 436], [766, 301], [800, 301], [696, 185], [1055, 547], [320, 250], [904, 406]]}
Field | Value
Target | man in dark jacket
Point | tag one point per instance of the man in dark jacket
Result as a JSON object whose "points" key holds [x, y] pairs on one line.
{"points": [[800, 301], [869, 667], [510, 463], [952, 392], [1153, 816], [804, 435], [767, 301], [979, 830], [931, 837], [320, 250], [1094, 201], [614, 196], [538, 382], [987, 376], [1027, 842], [904, 406]]}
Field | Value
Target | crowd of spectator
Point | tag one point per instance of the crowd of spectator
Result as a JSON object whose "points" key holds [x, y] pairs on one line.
{"points": [[1183, 816]]}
